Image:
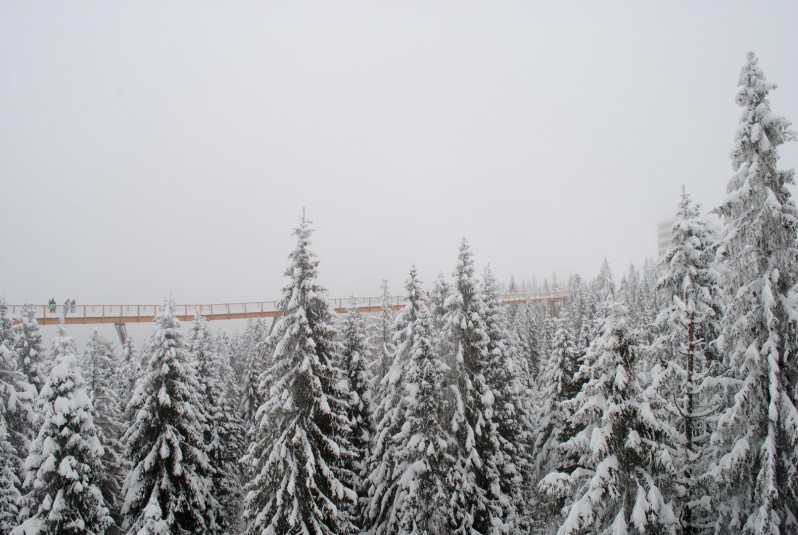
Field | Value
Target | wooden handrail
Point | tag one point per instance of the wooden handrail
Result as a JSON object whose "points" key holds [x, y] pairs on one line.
{"points": [[251, 309]]}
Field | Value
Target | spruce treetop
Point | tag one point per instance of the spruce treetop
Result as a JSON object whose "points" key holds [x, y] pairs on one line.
{"points": [[761, 217], [301, 451], [168, 487], [756, 437], [688, 275], [760, 130], [302, 289], [63, 344], [464, 317]]}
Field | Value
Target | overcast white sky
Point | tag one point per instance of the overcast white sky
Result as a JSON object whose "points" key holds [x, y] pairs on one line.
{"points": [[151, 147]]}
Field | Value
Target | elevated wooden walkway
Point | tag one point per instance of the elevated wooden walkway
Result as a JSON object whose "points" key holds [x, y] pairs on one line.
{"points": [[120, 314]]}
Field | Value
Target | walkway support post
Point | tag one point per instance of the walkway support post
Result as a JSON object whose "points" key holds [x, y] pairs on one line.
{"points": [[121, 332]]}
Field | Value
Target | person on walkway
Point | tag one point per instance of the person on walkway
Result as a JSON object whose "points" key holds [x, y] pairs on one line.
{"points": [[51, 304], [72, 306], [66, 307]]}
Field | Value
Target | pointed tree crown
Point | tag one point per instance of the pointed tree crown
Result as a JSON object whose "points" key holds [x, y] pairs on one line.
{"points": [[64, 466]]}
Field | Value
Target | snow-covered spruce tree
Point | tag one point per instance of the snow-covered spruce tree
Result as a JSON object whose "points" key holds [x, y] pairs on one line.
{"points": [[248, 344], [650, 297], [9, 483], [603, 286], [127, 371], [513, 317], [6, 326], [437, 301], [685, 330], [236, 352], [301, 450], [757, 433], [168, 489], [412, 447], [227, 375], [380, 331], [547, 324], [233, 435], [512, 310], [478, 503], [223, 347], [223, 432], [357, 369], [441, 290], [423, 448], [577, 304], [554, 306], [64, 345], [525, 338], [558, 386], [511, 408], [250, 391], [15, 403], [380, 514], [637, 296], [98, 368], [64, 466], [17, 397], [600, 295], [28, 347], [252, 358], [591, 322], [628, 290], [614, 487], [124, 379], [251, 397]]}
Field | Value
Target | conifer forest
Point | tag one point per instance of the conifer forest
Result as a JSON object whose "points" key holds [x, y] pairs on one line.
{"points": [[660, 400]]}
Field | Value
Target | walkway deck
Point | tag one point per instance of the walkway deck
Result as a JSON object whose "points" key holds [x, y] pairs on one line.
{"points": [[89, 314]]}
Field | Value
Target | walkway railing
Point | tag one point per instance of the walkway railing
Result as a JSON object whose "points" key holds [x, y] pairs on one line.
{"points": [[78, 313]]}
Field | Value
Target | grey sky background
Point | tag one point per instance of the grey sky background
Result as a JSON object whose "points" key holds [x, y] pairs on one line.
{"points": [[149, 147]]}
